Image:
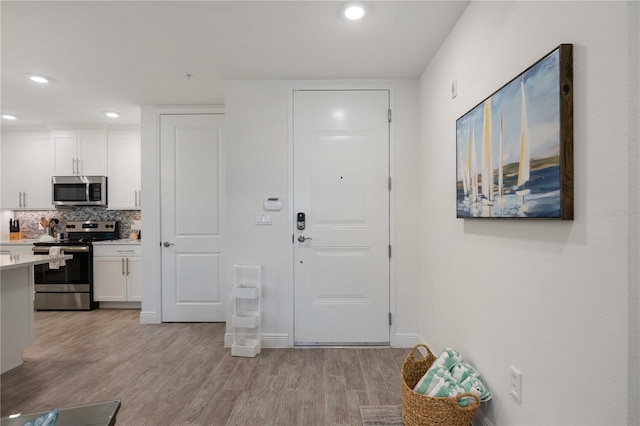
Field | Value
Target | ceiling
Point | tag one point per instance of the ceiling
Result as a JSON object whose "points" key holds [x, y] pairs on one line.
{"points": [[119, 55]]}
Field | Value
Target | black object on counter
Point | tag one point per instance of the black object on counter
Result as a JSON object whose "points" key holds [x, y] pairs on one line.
{"points": [[14, 225]]}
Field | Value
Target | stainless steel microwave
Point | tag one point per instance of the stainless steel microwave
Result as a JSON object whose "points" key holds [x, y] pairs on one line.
{"points": [[79, 190]]}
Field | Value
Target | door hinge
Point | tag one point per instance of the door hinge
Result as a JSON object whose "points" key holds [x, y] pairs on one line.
{"points": [[389, 318], [389, 115], [389, 250], [293, 241], [389, 183]]}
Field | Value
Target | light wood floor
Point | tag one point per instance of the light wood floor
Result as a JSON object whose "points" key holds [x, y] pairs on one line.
{"points": [[177, 374]]}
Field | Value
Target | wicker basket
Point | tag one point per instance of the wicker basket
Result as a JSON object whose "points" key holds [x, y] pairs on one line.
{"points": [[421, 410]]}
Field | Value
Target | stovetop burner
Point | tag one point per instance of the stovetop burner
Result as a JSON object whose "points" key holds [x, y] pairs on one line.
{"points": [[86, 232]]}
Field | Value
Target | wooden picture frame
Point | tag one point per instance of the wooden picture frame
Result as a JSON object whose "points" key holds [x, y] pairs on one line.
{"points": [[520, 141]]}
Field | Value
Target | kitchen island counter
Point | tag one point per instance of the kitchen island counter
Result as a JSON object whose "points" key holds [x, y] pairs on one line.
{"points": [[11, 261], [22, 242], [16, 299]]}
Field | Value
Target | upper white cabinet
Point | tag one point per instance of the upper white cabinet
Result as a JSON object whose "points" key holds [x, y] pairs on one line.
{"points": [[26, 171], [82, 153], [123, 170]]}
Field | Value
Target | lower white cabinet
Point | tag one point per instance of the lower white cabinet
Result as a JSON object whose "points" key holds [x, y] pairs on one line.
{"points": [[116, 273], [22, 249]]}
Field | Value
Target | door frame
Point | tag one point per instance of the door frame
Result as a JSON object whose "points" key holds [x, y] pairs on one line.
{"points": [[392, 198], [151, 312]]}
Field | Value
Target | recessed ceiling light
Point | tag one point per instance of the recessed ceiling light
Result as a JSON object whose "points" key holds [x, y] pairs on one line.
{"points": [[112, 114], [38, 79], [9, 116], [353, 10]]}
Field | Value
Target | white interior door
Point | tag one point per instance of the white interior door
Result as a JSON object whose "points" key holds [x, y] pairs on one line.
{"points": [[341, 171], [191, 193]]}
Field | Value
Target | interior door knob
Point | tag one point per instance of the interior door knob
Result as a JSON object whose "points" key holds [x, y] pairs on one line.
{"points": [[302, 239], [167, 244]]}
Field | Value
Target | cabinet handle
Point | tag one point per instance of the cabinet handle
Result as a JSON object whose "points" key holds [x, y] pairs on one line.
{"points": [[122, 265], [19, 198], [135, 195], [24, 198], [127, 266]]}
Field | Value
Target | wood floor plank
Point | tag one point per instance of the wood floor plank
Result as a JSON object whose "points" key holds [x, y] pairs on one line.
{"points": [[180, 374], [335, 411]]}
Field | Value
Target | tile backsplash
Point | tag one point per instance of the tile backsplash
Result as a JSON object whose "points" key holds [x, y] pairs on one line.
{"points": [[29, 219]]}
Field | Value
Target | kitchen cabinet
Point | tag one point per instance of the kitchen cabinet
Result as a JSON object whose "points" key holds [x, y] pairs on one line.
{"points": [[123, 170], [81, 153], [26, 171], [116, 273], [20, 249]]}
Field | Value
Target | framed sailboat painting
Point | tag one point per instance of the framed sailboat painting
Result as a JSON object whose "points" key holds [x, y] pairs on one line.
{"points": [[515, 149]]}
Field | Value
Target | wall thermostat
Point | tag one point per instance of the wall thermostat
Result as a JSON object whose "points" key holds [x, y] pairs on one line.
{"points": [[272, 203]]}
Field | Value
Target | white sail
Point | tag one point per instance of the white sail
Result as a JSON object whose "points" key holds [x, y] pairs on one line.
{"points": [[487, 170], [500, 171], [467, 168], [463, 168], [474, 168], [523, 169]]}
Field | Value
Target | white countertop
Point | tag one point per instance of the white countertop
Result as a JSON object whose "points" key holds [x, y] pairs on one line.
{"points": [[23, 242], [125, 241], [9, 261], [31, 241]]}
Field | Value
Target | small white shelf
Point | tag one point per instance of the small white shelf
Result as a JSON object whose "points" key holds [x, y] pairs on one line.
{"points": [[247, 309], [246, 292], [245, 319], [246, 347]]}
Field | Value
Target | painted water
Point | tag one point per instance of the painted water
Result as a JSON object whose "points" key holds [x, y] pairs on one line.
{"points": [[541, 197]]}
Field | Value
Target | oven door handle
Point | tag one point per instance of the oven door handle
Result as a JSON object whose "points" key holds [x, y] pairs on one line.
{"points": [[67, 249]]}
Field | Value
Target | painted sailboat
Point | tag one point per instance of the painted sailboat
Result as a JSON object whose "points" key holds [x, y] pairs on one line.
{"points": [[464, 164], [487, 169], [499, 197], [473, 169], [525, 160]]}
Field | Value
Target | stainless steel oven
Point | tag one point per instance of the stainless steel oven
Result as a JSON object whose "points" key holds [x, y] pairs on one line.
{"points": [[70, 287]]}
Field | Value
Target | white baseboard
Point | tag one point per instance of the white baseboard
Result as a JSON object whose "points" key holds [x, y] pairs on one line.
{"points": [[405, 340], [281, 340], [149, 317], [120, 305], [269, 340]]}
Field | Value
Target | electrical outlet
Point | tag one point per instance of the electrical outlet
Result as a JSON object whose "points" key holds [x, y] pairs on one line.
{"points": [[516, 384]]}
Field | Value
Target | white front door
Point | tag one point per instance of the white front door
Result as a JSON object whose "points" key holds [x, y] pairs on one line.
{"points": [[341, 171], [191, 193]]}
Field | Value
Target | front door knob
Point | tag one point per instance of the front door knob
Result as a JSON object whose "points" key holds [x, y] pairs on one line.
{"points": [[302, 239], [167, 244]]}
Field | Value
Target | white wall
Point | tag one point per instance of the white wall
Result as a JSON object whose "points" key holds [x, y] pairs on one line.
{"points": [[256, 139], [548, 297]]}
